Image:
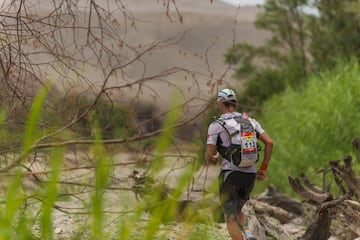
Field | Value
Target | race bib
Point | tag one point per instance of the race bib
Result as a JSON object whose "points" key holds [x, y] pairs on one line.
{"points": [[249, 146]]}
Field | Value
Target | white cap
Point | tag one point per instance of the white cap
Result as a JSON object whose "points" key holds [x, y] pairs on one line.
{"points": [[225, 95]]}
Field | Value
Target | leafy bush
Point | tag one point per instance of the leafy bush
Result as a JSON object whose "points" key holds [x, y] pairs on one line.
{"points": [[112, 118], [314, 125]]}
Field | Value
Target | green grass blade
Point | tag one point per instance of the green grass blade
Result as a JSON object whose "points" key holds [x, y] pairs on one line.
{"points": [[50, 195], [31, 129], [102, 172], [162, 143]]}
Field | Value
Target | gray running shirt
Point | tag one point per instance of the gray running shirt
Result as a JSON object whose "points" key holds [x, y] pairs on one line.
{"points": [[216, 130]]}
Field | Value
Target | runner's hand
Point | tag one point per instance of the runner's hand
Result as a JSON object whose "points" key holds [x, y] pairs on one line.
{"points": [[261, 175], [215, 158]]}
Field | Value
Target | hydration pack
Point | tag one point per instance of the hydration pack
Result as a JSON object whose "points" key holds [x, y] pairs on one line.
{"points": [[243, 150]]}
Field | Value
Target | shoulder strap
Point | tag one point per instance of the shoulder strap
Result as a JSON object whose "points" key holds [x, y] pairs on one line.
{"points": [[222, 122], [245, 120]]}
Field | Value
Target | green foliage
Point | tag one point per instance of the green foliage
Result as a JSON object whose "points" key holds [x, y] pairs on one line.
{"points": [[11, 223], [335, 33], [102, 172], [13, 127], [32, 131], [282, 61], [165, 209], [260, 87], [13, 220], [315, 125], [300, 44], [113, 119], [50, 196]]}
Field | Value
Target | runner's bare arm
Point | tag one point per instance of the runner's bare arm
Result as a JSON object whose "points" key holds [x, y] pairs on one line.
{"points": [[268, 147], [210, 155], [261, 173]]}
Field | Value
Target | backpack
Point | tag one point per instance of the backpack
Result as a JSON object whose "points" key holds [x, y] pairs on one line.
{"points": [[244, 149]]}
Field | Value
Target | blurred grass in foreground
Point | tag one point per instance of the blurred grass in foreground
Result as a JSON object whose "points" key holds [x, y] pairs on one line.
{"points": [[150, 218]]}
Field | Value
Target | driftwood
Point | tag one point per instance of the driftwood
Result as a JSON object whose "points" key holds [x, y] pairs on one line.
{"points": [[343, 210], [280, 216], [272, 196], [276, 212]]}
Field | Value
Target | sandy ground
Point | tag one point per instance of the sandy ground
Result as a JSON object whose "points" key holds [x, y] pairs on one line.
{"points": [[121, 204]]}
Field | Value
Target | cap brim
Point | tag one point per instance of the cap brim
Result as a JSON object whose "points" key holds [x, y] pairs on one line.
{"points": [[220, 99]]}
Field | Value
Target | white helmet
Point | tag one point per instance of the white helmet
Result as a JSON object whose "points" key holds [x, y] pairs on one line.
{"points": [[225, 95]]}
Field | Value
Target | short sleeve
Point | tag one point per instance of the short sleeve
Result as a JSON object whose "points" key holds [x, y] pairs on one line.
{"points": [[257, 126], [213, 133]]}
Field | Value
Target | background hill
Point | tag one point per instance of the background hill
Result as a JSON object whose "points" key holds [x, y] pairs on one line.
{"points": [[194, 36], [209, 30]]}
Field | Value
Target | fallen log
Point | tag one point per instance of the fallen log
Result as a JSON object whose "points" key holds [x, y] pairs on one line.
{"points": [[280, 214], [344, 210], [272, 196]]}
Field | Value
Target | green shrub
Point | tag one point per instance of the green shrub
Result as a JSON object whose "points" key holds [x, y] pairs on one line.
{"points": [[113, 119], [314, 125]]}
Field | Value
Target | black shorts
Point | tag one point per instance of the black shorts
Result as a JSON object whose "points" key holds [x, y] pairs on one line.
{"points": [[235, 190]]}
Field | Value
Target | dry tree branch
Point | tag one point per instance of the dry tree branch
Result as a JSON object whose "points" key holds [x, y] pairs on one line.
{"points": [[86, 49]]}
